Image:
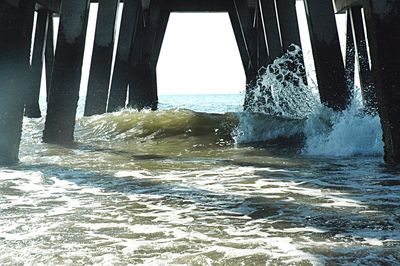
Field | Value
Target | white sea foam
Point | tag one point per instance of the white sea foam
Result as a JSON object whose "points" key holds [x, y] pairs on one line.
{"points": [[280, 89], [328, 133], [192, 216], [281, 105], [347, 133]]}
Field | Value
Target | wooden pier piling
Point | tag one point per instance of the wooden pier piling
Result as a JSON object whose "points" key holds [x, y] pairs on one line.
{"points": [[143, 85], [100, 69], [246, 38], [350, 58], [327, 55], [288, 23], [32, 108], [289, 31], [269, 18], [367, 86], [136, 75], [49, 53], [120, 77], [16, 22], [66, 76], [262, 48], [383, 20], [242, 23]]}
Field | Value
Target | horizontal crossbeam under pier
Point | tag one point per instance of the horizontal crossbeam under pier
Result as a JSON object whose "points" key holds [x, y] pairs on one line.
{"points": [[342, 5], [197, 6], [51, 5], [173, 5]]}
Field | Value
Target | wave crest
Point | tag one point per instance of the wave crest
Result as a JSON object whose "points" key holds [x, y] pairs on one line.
{"points": [[129, 124]]}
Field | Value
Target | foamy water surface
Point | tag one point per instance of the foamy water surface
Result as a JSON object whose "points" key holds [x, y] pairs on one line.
{"points": [[177, 187]]}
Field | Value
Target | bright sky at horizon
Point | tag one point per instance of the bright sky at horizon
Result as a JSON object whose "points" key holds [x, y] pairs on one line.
{"points": [[199, 54]]}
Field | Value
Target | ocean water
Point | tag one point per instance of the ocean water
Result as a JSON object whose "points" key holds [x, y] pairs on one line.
{"points": [[200, 182]]}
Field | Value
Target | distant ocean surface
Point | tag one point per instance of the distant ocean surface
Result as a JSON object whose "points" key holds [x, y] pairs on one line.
{"points": [[208, 103]]}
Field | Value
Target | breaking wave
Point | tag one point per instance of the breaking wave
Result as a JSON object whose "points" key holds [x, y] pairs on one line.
{"points": [[281, 107], [287, 107], [322, 132]]}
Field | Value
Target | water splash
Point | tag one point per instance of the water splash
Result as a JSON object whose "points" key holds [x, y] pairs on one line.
{"points": [[281, 105], [348, 133], [325, 132], [258, 127], [280, 89]]}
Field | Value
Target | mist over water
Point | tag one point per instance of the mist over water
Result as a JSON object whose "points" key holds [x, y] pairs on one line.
{"points": [[200, 182]]}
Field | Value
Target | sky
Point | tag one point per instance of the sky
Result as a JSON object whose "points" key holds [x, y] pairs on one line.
{"points": [[199, 53]]}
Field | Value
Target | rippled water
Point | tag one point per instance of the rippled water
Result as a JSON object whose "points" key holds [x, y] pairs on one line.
{"points": [[178, 187]]}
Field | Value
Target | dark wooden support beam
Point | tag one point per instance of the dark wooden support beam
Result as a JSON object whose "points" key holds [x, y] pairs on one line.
{"points": [[154, 35], [16, 22], [289, 29], [350, 54], [136, 86], [342, 5], [289, 26], [65, 82], [367, 85], [269, 18], [100, 69], [145, 54], [246, 38], [32, 108], [120, 76], [159, 31], [241, 43], [50, 5], [262, 49], [252, 4], [49, 53], [195, 5], [327, 55], [383, 21]]}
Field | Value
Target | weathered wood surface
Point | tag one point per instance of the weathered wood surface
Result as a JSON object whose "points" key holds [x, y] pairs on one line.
{"points": [[367, 85], [383, 20], [16, 23], [66, 76], [50, 5], [120, 78], [327, 55], [262, 48], [270, 20], [288, 22], [350, 58], [242, 22], [32, 108], [342, 5], [100, 69], [49, 53], [145, 54]]}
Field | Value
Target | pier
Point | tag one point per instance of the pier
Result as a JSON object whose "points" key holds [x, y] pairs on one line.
{"points": [[264, 30]]}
